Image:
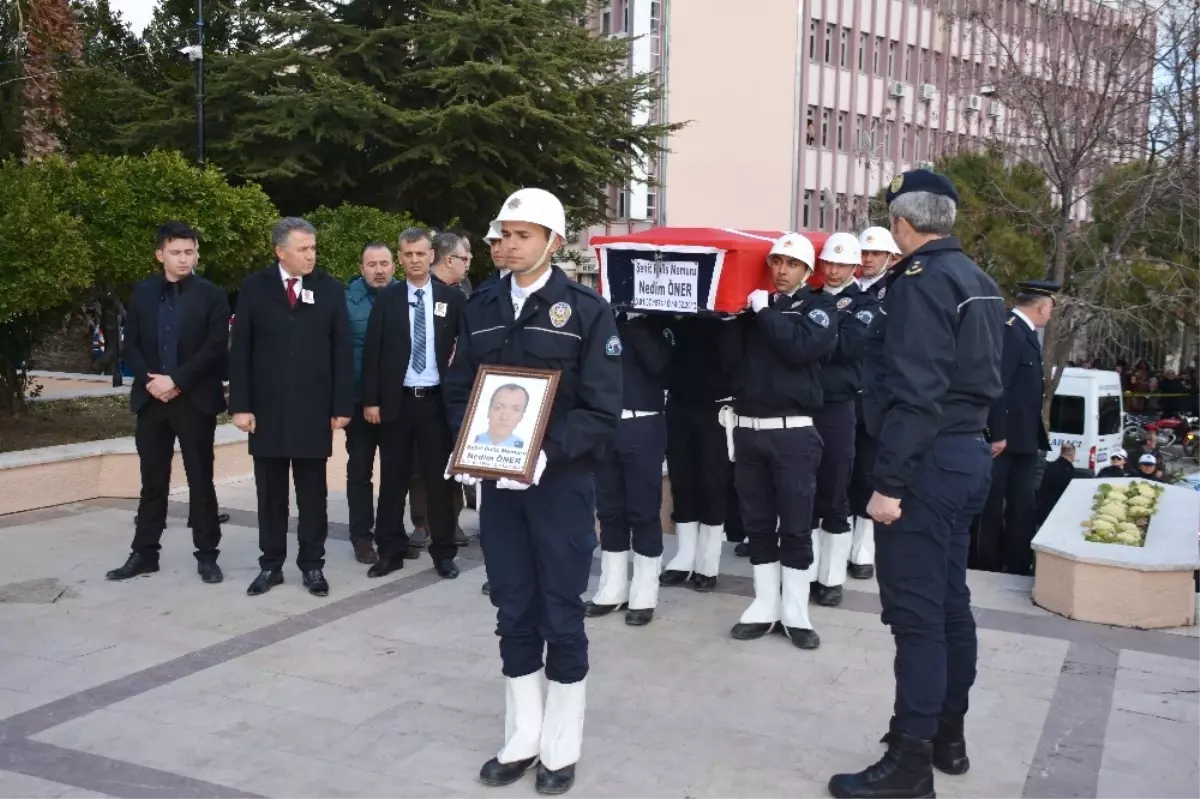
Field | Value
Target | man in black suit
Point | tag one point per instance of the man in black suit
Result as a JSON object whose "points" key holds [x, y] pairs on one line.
{"points": [[175, 334], [291, 384], [410, 341]]}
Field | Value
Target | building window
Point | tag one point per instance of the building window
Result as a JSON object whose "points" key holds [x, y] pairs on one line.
{"points": [[841, 131], [861, 140], [625, 17], [910, 63], [623, 203], [655, 16], [810, 126], [862, 52], [605, 23], [825, 127], [651, 203], [812, 40], [875, 56], [837, 211], [920, 147], [891, 59], [820, 213], [904, 134], [829, 26], [887, 140], [844, 54], [806, 211]]}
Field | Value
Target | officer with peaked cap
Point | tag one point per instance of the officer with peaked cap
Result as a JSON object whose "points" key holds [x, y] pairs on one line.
{"points": [[879, 252], [930, 374], [776, 448], [1018, 436], [841, 382], [540, 536]]}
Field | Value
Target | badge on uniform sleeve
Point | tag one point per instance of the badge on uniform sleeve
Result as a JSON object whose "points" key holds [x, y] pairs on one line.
{"points": [[843, 302], [915, 269], [882, 292], [560, 312], [439, 309], [865, 317], [897, 182], [306, 297], [819, 316], [612, 346]]}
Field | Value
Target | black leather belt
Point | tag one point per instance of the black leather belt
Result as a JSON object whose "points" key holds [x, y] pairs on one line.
{"points": [[421, 392]]}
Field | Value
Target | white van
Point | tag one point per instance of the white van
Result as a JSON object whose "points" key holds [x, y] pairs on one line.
{"points": [[1087, 411]]}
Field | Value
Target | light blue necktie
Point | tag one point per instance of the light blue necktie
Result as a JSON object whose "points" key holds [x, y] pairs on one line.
{"points": [[418, 346]]}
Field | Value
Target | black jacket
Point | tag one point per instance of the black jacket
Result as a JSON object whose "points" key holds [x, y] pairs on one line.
{"points": [[1016, 415], [1055, 479], [584, 347], [645, 355], [705, 360], [293, 368], [784, 345], [932, 366], [841, 373], [203, 342], [388, 346]]}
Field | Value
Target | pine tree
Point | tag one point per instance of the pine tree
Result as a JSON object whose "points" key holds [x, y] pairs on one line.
{"points": [[52, 45]]}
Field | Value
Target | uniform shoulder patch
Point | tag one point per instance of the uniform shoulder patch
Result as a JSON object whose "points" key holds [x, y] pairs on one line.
{"points": [[882, 292], [866, 317], [613, 346], [914, 269], [843, 302], [1010, 321], [560, 313], [819, 317]]}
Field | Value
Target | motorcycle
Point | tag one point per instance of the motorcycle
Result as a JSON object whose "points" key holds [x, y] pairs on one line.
{"points": [[1191, 444], [1171, 428]]}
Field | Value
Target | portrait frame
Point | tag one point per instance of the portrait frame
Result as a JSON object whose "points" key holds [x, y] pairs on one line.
{"points": [[480, 459]]}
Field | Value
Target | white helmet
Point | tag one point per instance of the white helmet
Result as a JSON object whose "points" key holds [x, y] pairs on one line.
{"points": [[537, 206], [842, 248], [794, 245], [493, 233], [877, 239]]}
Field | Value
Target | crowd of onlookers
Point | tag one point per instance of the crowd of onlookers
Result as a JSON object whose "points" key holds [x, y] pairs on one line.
{"points": [[1171, 391]]}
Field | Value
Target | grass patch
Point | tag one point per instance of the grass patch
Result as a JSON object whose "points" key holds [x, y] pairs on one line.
{"points": [[69, 421]]}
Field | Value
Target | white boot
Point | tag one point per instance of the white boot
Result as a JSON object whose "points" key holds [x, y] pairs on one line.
{"points": [[523, 711], [643, 592], [686, 534], [708, 552], [613, 590], [862, 549], [765, 608], [834, 550], [562, 728], [794, 609]]}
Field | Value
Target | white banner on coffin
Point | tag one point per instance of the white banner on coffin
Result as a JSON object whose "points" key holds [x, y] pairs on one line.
{"points": [[674, 250], [669, 286]]}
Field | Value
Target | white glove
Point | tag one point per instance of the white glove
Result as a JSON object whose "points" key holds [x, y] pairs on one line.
{"points": [[631, 315], [758, 300], [514, 485], [465, 479]]}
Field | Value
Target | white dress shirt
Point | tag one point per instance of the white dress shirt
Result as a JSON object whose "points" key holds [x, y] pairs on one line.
{"points": [[519, 295], [429, 377], [1025, 319], [286, 277]]}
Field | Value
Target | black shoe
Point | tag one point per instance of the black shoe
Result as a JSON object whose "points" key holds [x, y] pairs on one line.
{"points": [[829, 596], [673, 577], [802, 638], [904, 772], [742, 549], [209, 571], [750, 632], [592, 610], [364, 551], [949, 746], [554, 782], [446, 569], [385, 566], [264, 582], [136, 564], [222, 518], [314, 581], [640, 617], [702, 583], [487, 589], [863, 571], [499, 774]]}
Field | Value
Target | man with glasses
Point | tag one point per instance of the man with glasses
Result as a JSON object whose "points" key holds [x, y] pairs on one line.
{"points": [[451, 260]]}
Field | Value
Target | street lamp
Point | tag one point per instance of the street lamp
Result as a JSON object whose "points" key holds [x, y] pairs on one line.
{"points": [[195, 53]]}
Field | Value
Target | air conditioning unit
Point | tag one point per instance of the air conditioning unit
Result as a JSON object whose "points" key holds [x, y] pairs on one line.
{"points": [[897, 89], [994, 110], [618, 35], [928, 90], [974, 102], [924, 165]]}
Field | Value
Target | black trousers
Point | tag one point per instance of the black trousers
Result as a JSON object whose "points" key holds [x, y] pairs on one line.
{"points": [[776, 474], [159, 425], [835, 423], [860, 490], [1009, 519], [419, 432], [362, 441], [271, 481], [697, 463], [735, 531], [629, 487]]}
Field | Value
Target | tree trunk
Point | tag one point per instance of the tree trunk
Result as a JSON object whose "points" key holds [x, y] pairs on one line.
{"points": [[53, 43]]}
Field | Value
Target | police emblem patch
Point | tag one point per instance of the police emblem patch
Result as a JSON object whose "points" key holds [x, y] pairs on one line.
{"points": [[915, 269], [870, 239], [819, 317], [560, 313], [882, 291], [514, 203], [613, 346], [837, 248], [897, 182], [843, 302], [865, 317]]}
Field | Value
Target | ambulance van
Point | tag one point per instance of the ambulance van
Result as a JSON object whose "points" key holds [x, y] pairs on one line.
{"points": [[1087, 411]]}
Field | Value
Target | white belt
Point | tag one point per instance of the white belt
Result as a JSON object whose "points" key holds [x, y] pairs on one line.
{"points": [[637, 414], [774, 423]]}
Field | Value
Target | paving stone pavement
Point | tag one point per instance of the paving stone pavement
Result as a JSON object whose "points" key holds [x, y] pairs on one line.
{"points": [[165, 687]]}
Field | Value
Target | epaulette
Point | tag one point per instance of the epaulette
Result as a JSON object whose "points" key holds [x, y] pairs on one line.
{"points": [[1010, 321], [914, 268]]}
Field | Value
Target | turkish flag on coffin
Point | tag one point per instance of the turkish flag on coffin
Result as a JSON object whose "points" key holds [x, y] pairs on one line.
{"points": [[687, 270]]}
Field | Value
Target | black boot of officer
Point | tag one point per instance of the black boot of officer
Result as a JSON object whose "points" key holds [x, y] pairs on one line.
{"points": [[904, 771]]}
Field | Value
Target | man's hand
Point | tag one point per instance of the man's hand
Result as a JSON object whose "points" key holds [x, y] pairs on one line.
{"points": [[158, 385], [338, 422], [170, 395], [758, 300], [371, 414], [884, 510], [998, 447], [244, 422]]}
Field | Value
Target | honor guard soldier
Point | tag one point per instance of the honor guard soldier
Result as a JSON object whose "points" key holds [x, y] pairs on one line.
{"points": [[700, 382], [629, 479], [1018, 437], [879, 252], [776, 448], [930, 374], [841, 381], [540, 537]]}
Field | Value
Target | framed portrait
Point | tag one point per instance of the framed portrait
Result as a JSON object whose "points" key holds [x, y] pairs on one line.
{"points": [[506, 420]]}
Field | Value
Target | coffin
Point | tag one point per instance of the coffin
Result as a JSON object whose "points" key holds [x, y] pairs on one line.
{"points": [[678, 270]]}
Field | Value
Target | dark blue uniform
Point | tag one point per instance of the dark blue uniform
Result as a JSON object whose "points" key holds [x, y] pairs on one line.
{"points": [[540, 540], [859, 492], [1009, 519], [629, 479], [931, 372]]}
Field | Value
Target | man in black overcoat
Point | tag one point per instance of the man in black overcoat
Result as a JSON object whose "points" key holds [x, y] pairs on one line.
{"points": [[291, 384], [175, 344]]}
